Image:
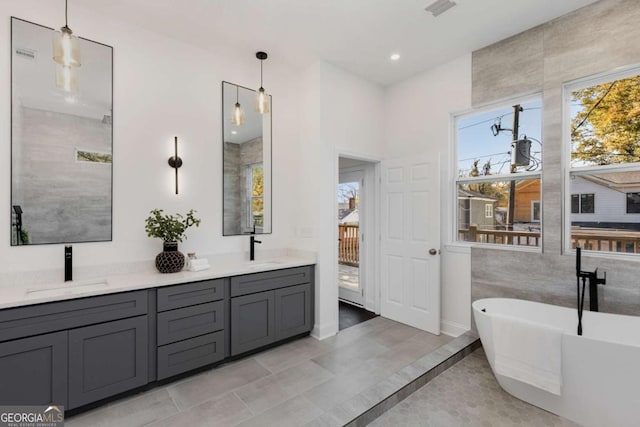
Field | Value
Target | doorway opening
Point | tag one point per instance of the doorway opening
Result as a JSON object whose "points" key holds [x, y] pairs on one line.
{"points": [[356, 213]]}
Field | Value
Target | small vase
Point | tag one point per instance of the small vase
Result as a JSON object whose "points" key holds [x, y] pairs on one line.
{"points": [[170, 260]]}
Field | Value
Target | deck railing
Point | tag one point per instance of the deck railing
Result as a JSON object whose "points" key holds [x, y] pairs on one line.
{"points": [[499, 237], [348, 245], [606, 240]]}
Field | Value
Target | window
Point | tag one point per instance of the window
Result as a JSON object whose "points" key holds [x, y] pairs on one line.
{"points": [[586, 203], [633, 203], [603, 142], [535, 210], [498, 175], [575, 203], [255, 196], [488, 210], [582, 203]]}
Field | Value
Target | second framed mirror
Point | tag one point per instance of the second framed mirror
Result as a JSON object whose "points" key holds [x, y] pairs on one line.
{"points": [[247, 163]]}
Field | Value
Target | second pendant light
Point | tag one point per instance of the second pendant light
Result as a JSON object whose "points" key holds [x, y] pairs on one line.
{"points": [[262, 99]]}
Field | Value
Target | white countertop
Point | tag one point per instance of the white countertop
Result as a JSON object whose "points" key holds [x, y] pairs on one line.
{"points": [[28, 292]]}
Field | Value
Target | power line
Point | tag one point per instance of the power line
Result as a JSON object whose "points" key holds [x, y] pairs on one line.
{"points": [[484, 121], [496, 118], [482, 157], [594, 107]]}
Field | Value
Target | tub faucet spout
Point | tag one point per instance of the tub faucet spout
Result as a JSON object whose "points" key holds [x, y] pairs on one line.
{"points": [[594, 281]]}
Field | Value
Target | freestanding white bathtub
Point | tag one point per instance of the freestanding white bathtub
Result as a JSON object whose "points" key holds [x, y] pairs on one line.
{"points": [[600, 369]]}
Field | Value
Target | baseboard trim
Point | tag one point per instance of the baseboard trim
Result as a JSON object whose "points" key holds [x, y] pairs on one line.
{"points": [[452, 329], [321, 332]]}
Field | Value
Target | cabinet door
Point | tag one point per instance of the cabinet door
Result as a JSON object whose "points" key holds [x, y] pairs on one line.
{"points": [[293, 311], [252, 322], [107, 359], [33, 371]]}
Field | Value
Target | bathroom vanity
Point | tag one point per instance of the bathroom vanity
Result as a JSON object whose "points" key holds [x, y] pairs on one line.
{"points": [[79, 351]]}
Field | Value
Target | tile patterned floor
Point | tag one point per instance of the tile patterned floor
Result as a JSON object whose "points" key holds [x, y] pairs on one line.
{"points": [[467, 394], [290, 385]]}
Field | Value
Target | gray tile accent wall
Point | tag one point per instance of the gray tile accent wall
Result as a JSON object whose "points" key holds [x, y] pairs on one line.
{"points": [[595, 39], [231, 188], [511, 66], [74, 206]]}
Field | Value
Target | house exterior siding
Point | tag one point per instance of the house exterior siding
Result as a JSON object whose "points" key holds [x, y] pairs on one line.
{"points": [[610, 204]]}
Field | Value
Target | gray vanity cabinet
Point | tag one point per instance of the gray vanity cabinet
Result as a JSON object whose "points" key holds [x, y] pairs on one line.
{"points": [[190, 326], [252, 322], [293, 311], [107, 359], [269, 307], [33, 371], [74, 352]]}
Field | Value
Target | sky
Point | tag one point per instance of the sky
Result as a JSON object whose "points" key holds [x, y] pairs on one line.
{"points": [[476, 140]]}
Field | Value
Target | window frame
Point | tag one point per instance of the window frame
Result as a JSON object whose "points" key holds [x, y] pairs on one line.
{"points": [[488, 207], [455, 180], [569, 171]]}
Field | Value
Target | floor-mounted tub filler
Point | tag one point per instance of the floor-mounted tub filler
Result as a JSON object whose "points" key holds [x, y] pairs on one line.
{"points": [[536, 355]]}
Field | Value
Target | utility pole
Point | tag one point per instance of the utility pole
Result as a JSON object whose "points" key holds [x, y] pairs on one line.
{"points": [[517, 109]]}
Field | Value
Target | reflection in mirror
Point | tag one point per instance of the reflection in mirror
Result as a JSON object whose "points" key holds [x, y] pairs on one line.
{"points": [[61, 141], [247, 163]]}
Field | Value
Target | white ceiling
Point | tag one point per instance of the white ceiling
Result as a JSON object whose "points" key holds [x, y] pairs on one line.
{"points": [[357, 35]]}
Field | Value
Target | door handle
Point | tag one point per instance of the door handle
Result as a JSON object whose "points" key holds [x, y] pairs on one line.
{"points": [[433, 251]]}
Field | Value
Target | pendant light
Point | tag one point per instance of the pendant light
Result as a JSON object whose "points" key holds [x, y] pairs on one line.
{"points": [[66, 48], [262, 100], [67, 78], [238, 114]]}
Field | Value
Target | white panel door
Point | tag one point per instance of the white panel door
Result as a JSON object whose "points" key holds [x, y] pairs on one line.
{"points": [[410, 269]]}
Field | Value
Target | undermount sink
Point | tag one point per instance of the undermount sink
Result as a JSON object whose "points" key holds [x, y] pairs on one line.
{"points": [[263, 264], [70, 289]]}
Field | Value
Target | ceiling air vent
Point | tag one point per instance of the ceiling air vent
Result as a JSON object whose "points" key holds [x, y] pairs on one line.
{"points": [[440, 7], [22, 52]]}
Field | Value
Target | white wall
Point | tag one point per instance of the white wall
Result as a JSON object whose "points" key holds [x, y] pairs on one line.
{"points": [[162, 88], [417, 120], [342, 113]]}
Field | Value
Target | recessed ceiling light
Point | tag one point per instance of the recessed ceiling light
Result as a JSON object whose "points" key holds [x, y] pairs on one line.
{"points": [[394, 56], [233, 132]]}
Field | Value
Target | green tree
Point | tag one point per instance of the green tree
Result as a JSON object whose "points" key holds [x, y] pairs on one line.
{"points": [[606, 129]]}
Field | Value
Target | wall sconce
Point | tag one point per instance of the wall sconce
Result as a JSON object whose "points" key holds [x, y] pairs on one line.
{"points": [[175, 162]]}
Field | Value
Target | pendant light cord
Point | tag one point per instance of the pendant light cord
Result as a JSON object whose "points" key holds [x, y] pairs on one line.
{"points": [[261, 61], [237, 96], [66, 18]]}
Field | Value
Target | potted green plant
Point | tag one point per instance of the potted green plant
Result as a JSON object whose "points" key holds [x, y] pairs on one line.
{"points": [[171, 229]]}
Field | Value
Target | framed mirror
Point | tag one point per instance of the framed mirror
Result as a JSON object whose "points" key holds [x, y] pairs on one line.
{"points": [[246, 154], [61, 140]]}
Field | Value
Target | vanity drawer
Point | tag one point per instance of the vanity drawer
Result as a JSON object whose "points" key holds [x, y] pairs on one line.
{"points": [[56, 316], [186, 355], [269, 280], [172, 297], [189, 322]]}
